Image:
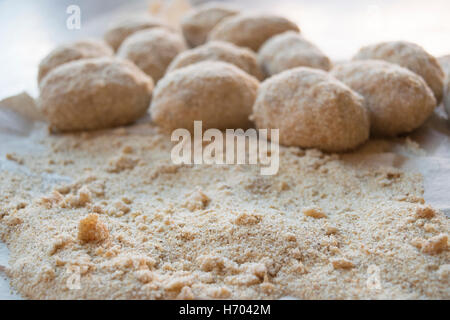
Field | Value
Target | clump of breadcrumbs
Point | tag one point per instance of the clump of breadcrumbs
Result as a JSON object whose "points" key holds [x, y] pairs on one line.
{"points": [[91, 229], [314, 212]]}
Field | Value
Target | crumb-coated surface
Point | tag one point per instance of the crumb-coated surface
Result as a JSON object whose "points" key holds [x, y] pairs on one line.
{"points": [[251, 30], [312, 109], [94, 94], [217, 93], [398, 100]]}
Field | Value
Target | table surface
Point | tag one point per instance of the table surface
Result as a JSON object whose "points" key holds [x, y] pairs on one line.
{"points": [[29, 29]]}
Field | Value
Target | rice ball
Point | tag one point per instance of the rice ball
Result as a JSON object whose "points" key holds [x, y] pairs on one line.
{"points": [[94, 94], [410, 56], [197, 24], [219, 94], [444, 61], [152, 50], [398, 100], [445, 64], [220, 51], [312, 109], [447, 97], [251, 30], [289, 50], [119, 31], [83, 49]]}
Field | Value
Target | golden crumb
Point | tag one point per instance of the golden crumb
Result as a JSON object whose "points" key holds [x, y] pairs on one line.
{"points": [[342, 263], [425, 212], [314, 212], [435, 244], [121, 163], [14, 157], [90, 229], [197, 201]]}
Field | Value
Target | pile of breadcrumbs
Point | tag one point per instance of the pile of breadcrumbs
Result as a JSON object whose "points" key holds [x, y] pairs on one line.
{"points": [[131, 225]]}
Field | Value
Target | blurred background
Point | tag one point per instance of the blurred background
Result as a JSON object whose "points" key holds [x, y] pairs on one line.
{"points": [[29, 29]]}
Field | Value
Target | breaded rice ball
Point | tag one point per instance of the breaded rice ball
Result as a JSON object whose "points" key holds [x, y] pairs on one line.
{"points": [[398, 100], [219, 94], [251, 30], [444, 61], [290, 50], [312, 109], [94, 94], [83, 49], [197, 23], [410, 56], [152, 50], [447, 96], [445, 64], [119, 31], [220, 51]]}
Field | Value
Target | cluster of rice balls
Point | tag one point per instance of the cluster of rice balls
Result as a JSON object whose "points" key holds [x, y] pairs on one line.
{"points": [[233, 69]]}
